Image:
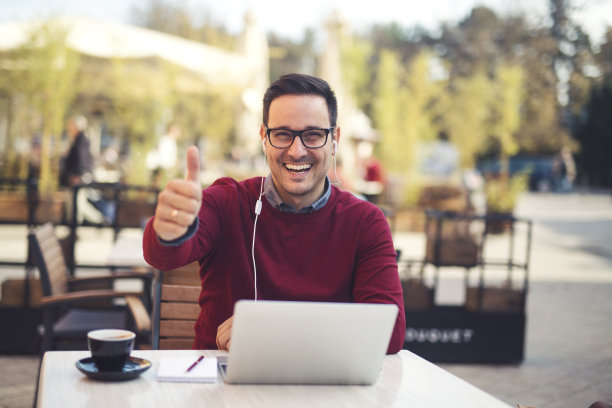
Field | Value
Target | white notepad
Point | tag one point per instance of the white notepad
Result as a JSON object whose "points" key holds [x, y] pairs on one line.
{"points": [[174, 369]]}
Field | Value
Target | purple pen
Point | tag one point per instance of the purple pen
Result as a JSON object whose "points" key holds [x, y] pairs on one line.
{"points": [[195, 363]]}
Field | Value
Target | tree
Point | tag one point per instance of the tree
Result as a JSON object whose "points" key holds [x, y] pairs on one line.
{"points": [[43, 86], [356, 56], [475, 43], [483, 42], [178, 19], [136, 111], [506, 107], [387, 114], [205, 112], [541, 131], [595, 158], [468, 116], [419, 104], [288, 56], [603, 59], [405, 108]]}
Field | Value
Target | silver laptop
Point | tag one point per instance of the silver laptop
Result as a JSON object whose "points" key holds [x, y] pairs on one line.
{"points": [[279, 342]]}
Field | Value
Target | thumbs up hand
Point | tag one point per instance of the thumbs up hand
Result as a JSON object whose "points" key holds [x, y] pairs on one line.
{"points": [[178, 204]]}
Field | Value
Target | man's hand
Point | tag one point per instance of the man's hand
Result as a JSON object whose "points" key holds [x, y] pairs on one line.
{"points": [[224, 334], [178, 204]]}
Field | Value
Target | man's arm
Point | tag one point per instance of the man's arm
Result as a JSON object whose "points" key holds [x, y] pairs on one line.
{"points": [[177, 208], [377, 278], [179, 202]]}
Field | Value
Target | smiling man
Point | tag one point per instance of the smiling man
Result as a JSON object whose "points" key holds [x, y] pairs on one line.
{"points": [[290, 236]]}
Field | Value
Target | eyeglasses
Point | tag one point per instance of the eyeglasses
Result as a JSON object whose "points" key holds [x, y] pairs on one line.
{"points": [[313, 138]]}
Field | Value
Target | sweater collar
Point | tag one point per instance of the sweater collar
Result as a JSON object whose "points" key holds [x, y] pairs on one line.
{"points": [[276, 202]]}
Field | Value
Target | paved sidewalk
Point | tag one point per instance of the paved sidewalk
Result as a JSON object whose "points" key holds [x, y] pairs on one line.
{"points": [[568, 362]]}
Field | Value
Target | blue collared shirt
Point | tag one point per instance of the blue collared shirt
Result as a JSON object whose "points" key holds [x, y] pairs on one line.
{"points": [[276, 202]]}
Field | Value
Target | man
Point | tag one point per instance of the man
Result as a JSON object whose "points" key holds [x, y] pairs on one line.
{"points": [[313, 242], [77, 165], [77, 168], [163, 157]]}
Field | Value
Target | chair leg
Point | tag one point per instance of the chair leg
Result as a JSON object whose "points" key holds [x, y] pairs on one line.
{"points": [[48, 320], [35, 402]]}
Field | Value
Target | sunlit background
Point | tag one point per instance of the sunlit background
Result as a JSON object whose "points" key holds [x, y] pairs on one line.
{"points": [[291, 18], [482, 107], [439, 93]]}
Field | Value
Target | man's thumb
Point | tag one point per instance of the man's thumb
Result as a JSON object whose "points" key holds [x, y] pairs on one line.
{"points": [[193, 164]]}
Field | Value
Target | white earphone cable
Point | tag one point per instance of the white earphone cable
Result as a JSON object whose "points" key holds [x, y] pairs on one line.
{"points": [[338, 181], [257, 211], [258, 206]]}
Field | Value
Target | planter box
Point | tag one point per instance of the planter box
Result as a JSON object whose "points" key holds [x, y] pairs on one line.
{"points": [[498, 223], [494, 299], [13, 292], [409, 219], [15, 207], [457, 251], [490, 326], [417, 296], [20, 330], [452, 334], [444, 198], [451, 243]]}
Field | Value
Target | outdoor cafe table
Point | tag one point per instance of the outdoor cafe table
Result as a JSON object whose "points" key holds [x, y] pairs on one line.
{"points": [[127, 251], [406, 381]]}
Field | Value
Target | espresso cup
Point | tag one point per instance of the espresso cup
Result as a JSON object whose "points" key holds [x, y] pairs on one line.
{"points": [[110, 348]]}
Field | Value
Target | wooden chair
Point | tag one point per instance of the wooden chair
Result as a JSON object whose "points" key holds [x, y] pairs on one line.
{"points": [[66, 317], [175, 309]]}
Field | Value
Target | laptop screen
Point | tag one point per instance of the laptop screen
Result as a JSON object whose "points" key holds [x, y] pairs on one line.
{"points": [[281, 342]]}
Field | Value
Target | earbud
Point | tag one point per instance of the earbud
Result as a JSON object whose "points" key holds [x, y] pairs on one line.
{"points": [[263, 145], [335, 147]]}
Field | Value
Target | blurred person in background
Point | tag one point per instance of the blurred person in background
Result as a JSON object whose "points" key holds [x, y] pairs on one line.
{"points": [[372, 180], [76, 168], [162, 159], [77, 163], [564, 170]]}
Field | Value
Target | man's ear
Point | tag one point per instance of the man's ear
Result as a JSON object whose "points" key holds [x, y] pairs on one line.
{"points": [[336, 134], [336, 139], [262, 134]]}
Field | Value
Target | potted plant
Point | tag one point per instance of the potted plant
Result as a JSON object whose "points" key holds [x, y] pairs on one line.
{"points": [[450, 240], [501, 196]]}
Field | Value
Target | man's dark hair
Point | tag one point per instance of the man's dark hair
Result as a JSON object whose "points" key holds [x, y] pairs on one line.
{"points": [[301, 84]]}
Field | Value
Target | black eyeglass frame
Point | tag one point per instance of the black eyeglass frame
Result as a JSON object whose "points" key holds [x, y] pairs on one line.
{"points": [[298, 133]]}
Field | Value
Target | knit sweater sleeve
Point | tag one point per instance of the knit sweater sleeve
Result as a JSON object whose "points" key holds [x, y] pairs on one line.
{"points": [[377, 278]]}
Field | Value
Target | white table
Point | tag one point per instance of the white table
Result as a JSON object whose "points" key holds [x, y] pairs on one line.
{"points": [[406, 381]]}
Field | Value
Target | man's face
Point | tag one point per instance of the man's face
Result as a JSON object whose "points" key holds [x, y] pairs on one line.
{"points": [[298, 172]]}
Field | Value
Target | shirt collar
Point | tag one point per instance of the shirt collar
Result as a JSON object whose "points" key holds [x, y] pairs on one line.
{"points": [[276, 202]]}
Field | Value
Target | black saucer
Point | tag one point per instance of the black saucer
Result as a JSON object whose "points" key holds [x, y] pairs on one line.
{"points": [[133, 368]]}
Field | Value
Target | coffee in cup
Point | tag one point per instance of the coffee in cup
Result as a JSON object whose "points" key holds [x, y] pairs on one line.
{"points": [[110, 348]]}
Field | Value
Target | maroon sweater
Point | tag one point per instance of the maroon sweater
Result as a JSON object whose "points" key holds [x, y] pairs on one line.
{"points": [[340, 253]]}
